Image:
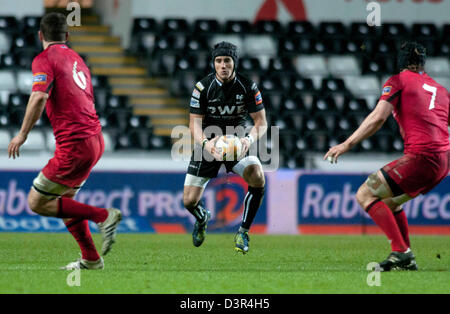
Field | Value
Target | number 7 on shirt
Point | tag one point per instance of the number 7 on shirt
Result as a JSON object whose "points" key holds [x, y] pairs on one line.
{"points": [[432, 90]]}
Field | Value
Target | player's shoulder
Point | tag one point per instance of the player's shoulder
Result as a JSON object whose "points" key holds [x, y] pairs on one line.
{"points": [[247, 83], [204, 83], [41, 57], [433, 82]]}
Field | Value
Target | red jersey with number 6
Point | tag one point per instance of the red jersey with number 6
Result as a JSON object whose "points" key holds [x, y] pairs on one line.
{"points": [[421, 108], [62, 73]]}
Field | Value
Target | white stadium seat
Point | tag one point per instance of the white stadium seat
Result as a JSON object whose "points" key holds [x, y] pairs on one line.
{"points": [[8, 81], [362, 85], [5, 43], [444, 81], [25, 81], [50, 142], [259, 45], [7, 85], [437, 67], [311, 65], [343, 65], [35, 141], [5, 138], [109, 143]]}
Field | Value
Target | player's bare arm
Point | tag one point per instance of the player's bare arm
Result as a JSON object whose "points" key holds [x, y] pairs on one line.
{"points": [[371, 124], [258, 130], [195, 125], [35, 107]]}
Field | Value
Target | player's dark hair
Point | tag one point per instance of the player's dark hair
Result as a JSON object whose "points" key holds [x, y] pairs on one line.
{"points": [[411, 54], [54, 27], [225, 49]]}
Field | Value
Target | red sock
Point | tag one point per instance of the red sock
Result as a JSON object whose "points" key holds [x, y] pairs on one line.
{"points": [[402, 223], [80, 231], [384, 218], [68, 208]]}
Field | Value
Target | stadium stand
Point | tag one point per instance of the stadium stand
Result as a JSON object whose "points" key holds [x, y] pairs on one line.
{"points": [[318, 81]]}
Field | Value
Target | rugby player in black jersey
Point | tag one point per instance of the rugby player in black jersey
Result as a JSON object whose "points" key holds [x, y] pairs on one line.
{"points": [[224, 100]]}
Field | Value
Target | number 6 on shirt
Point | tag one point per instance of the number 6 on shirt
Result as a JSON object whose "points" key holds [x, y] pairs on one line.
{"points": [[433, 90]]}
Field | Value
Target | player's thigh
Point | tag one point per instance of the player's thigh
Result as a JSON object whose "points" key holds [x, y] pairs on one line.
{"points": [[375, 187], [194, 187]]}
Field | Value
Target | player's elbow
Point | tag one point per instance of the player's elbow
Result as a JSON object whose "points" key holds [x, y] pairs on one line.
{"points": [[38, 98]]}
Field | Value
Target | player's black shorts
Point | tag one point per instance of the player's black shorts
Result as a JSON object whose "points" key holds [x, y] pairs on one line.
{"points": [[208, 169]]}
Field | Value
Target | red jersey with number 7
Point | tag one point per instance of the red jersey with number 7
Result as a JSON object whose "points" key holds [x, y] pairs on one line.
{"points": [[62, 73], [421, 108]]}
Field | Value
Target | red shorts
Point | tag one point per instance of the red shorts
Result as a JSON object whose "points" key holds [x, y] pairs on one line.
{"points": [[73, 161], [417, 174]]}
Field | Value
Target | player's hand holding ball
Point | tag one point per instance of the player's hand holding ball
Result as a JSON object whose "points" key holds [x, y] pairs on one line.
{"points": [[229, 147], [210, 147], [335, 151]]}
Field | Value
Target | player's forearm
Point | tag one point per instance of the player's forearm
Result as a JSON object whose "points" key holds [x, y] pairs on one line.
{"points": [[259, 129], [369, 127], [35, 107], [196, 130]]}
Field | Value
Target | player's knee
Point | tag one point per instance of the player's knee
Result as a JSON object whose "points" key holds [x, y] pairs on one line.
{"points": [[364, 197], [189, 202], [254, 176], [34, 203]]}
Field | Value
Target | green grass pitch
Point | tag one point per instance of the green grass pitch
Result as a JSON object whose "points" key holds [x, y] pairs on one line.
{"points": [[169, 264]]}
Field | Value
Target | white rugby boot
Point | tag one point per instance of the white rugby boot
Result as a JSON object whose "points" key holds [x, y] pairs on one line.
{"points": [[108, 228]]}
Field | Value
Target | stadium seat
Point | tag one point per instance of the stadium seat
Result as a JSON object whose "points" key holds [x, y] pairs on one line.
{"points": [[396, 31], [332, 85], [424, 30], [145, 25], [5, 138], [8, 85], [302, 85], [50, 142], [17, 100], [332, 30], [361, 30], [197, 44], [301, 28], [250, 64], [30, 24], [159, 142], [7, 61], [269, 27], [206, 27], [25, 81], [343, 65], [24, 59], [311, 65], [444, 81], [9, 24], [284, 65], [362, 85], [108, 137], [5, 42], [35, 141], [237, 27], [438, 67], [256, 45], [175, 25]]}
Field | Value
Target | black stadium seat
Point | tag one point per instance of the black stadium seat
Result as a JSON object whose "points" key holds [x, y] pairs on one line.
{"points": [[237, 27], [206, 27], [269, 27]]}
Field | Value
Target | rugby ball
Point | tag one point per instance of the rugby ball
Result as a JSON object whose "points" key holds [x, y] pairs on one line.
{"points": [[229, 146]]}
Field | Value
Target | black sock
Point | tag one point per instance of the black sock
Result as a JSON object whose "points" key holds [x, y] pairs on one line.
{"points": [[252, 201], [198, 212]]}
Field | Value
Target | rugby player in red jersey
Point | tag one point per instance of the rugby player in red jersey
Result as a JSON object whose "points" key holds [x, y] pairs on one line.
{"points": [[421, 108], [62, 85]]}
